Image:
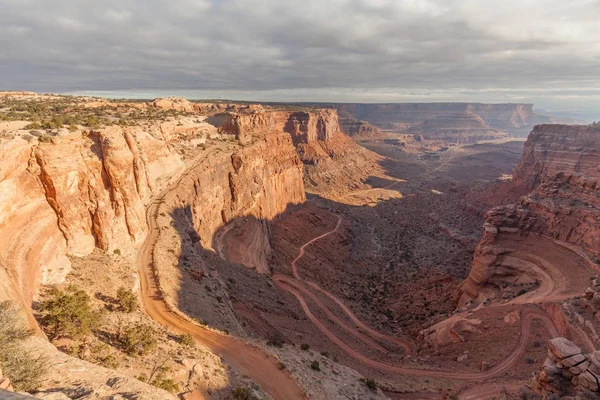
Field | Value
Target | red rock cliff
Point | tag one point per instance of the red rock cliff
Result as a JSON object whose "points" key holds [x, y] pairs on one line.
{"points": [[561, 165]]}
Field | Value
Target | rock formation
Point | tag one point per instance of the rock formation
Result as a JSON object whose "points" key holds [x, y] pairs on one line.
{"points": [[471, 120], [459, 128], [330, 157], [78, 190], [5, 383], [560, 166], [567, 370], [173, 103]]}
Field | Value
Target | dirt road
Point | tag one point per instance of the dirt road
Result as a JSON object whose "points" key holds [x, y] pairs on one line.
{"points": [[249, 360], [527, 314]]}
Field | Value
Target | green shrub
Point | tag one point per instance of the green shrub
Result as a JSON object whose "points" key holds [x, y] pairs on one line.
{"points": [[128, 301], [34, 125], [138, 340], [161, 381], [110, 361], [45, 139], [24, 370], [69, 313], [187, 340], [305, 346]]}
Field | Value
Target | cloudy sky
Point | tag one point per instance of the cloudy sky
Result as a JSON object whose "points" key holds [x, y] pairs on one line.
{"points": [[547, 51]]}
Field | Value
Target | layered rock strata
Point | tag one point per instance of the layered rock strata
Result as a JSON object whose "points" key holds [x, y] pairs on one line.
{"points": [[560, 164], [568, 371]]}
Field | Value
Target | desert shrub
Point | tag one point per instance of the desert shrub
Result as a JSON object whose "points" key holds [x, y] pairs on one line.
{"points": [[117, 252], [281, 365], [138, 340], [128, 301], [187, 340], [34, 125], [315, 365], [529, 360], [165, 383], [275, 340], [243, 393], [24, 370], [45, 139], [305, 346], [370, 383], [69, 313], [110, 361]]}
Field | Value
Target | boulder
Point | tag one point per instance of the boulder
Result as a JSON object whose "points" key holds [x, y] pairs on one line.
{"points": [[562, 348]]}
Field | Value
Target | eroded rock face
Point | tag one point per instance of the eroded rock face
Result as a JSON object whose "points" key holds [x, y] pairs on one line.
{"points": [[304, 127], [560, 164], [567, 370], [74, 191], [331, 159]]}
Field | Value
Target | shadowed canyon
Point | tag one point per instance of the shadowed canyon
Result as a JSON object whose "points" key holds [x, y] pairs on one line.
{"points": [[226, 250]]}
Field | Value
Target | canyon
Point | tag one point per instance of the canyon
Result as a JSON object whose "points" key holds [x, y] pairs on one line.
{"points": [[302, 264], [461, 123]]}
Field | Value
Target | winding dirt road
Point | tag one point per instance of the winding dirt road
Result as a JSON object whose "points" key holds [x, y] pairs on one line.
{"points": [[294, 286], [406, 345], [249, 360]]}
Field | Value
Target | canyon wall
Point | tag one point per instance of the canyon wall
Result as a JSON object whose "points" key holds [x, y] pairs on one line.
{"points": [[332, 161], [247, 186], [69, 192], [561, 167], [446, 121]]}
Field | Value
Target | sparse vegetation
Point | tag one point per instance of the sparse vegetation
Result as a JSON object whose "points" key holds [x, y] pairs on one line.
{"points": [[276, 340], [315, 365], [162, 381], [128, 301], [370, 383], [23, 368], [187, 340], [305, 346], [69, 313], [138, 340], [243, 393]]}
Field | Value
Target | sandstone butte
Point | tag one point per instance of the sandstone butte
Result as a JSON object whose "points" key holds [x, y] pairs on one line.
{"points": [[560, 169]]}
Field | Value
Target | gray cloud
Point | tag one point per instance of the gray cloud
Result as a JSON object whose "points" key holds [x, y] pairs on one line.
{"points": [[367, 50]]}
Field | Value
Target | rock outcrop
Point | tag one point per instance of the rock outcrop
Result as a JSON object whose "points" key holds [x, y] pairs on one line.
{"points": [[303, 127], [331, 159], [173, 103], [568, 371], [5, 383], [560, 164]]}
